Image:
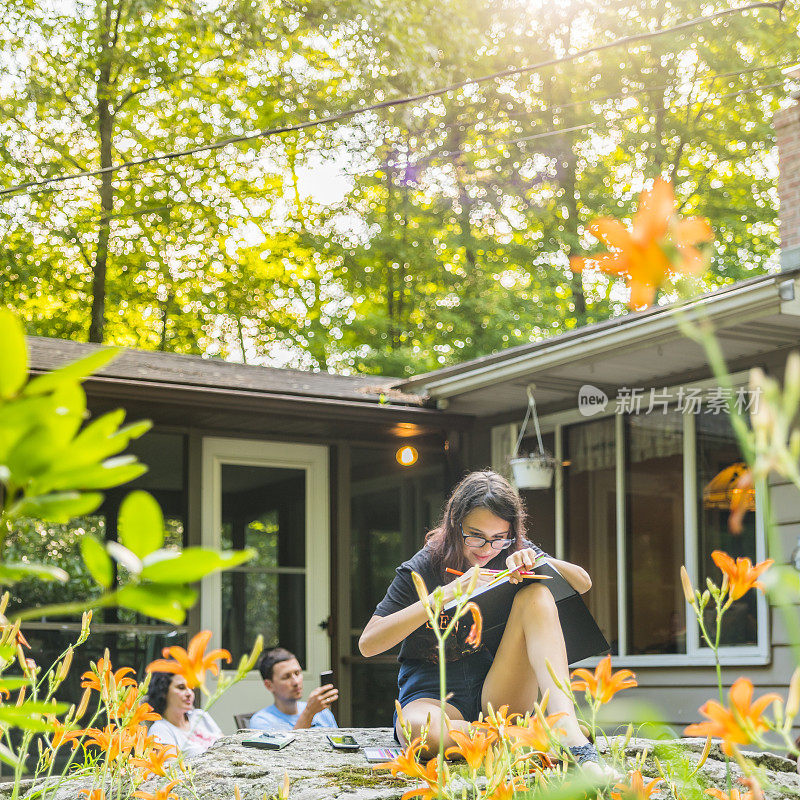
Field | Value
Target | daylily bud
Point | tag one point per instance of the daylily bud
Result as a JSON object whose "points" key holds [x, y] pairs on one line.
{"points": [[86, 620], [556, 679], [23, 662], [704, 599], [63, 667], [793, 700], [777, 711], [399, 709], [4, 602], [545, 701], [258, 646], [236, 793], [688, 590], [284, 793], [628, 735], [422, 590], [473, 581], [84, 703], [458, 590]]}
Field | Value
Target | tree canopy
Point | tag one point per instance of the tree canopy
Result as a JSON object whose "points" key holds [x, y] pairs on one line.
{"points": [[395, 241]]}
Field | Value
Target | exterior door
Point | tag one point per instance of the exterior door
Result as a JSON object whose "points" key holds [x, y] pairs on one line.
{"points": [[271, 497]]}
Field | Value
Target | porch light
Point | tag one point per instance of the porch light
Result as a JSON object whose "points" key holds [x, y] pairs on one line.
{"points": [[406, 456]]}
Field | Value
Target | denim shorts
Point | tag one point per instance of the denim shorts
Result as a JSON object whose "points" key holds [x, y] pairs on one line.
{"points": [[465, 677]]}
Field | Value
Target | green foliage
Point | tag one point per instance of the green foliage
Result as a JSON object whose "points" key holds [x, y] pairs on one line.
{"points": [[447, 232], [50, 469]]}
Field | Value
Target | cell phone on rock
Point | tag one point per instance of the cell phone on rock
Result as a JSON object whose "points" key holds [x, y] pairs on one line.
{"points": [[343, 742], [270, 740]]}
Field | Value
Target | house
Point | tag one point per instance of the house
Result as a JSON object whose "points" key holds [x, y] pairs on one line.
{"points": [[306, 469]]}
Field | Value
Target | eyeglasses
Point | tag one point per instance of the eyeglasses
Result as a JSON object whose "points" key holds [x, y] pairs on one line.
{"points": [[475, 541]]}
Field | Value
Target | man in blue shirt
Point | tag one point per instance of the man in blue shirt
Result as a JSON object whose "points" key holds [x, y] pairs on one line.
{"points": [[283, 677]]}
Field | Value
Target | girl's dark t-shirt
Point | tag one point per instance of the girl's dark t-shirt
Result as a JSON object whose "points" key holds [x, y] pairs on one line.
{"points": [[421, 643]]}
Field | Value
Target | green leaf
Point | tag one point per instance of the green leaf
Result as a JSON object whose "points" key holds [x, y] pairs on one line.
{"points": [[97, 561], [8, 756], [28, 715], [162, 601], [141, 524], [13, 572], [12, 684], [112, 472], [59, 507], [102, 438], [13, 354], [75, 371], [191, 565]]}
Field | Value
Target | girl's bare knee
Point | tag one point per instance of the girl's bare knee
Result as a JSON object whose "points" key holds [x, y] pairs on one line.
{"points": [[535, 594]]}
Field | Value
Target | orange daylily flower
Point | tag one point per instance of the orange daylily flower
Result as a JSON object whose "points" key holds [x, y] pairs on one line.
{"points": [[742, 575], [62, 734], [497, 721], [133, 712], [473, 749], [165, 793], [601, 684], [635, 788], [504, 791], [430, 775], [192, 663], [94, 794], [534, 735], [100, 677], [640, 253], [406, 763], [734, 795], [115, 742], [476, 630], [736, 726], [156, 759]]}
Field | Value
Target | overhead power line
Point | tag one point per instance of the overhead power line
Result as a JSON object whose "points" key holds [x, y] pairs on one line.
{"points": [[350, 113]]}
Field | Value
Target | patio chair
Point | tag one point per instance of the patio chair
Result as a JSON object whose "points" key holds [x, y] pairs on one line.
{"points": [[243, 720]]}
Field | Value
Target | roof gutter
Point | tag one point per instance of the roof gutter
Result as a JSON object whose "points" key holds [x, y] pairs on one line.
{"points": [[782, 295]]}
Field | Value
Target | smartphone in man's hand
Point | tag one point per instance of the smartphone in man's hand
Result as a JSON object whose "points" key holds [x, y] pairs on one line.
{"points": [[326, 678]]}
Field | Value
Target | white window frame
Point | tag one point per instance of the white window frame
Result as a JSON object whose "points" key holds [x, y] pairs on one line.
{"points": [[696, 655]]}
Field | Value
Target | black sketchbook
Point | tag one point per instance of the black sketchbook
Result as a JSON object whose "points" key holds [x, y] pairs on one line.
{"points": [[582, 636]]}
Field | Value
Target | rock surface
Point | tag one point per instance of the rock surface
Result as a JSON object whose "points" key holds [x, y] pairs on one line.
{"points": [[318, 772]]}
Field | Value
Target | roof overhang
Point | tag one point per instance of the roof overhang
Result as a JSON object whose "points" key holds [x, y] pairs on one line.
{"points": [[641, 349]]}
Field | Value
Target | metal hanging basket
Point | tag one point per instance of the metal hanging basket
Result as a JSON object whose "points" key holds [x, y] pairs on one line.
{"points": [[534, 470]]}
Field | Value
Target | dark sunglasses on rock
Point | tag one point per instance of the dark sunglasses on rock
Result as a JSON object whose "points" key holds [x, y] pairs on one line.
{"points": [[475, 541]]}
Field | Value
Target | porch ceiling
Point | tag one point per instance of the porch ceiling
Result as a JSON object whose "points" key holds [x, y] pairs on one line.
{"points": [[641, 350]]}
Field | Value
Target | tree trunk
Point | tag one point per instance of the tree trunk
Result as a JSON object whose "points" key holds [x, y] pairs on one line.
{"points": [[105, 130]]}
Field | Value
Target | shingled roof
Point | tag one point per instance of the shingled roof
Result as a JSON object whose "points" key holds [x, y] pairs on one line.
{"points": [[143, 366]]}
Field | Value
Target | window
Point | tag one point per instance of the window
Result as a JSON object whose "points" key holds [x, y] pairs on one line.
{"points": [[654, 542], [637, 496], [590, 521], [719, 464]]}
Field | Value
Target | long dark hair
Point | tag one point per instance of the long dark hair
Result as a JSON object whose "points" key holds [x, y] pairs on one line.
{"points": [[485, 489], [157, 691]]}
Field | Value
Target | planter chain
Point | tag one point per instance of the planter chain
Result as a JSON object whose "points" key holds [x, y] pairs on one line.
{"points": [[530, 411]]}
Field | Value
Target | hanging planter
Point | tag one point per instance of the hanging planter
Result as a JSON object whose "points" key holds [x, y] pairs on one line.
{"points": [[534, 470]]}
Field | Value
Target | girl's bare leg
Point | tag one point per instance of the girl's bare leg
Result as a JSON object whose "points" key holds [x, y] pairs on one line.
{"points": [[532, 637], [417, 713]]}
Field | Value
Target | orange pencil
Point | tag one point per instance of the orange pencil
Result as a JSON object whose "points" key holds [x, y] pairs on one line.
{"points": [[496, 572]]}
